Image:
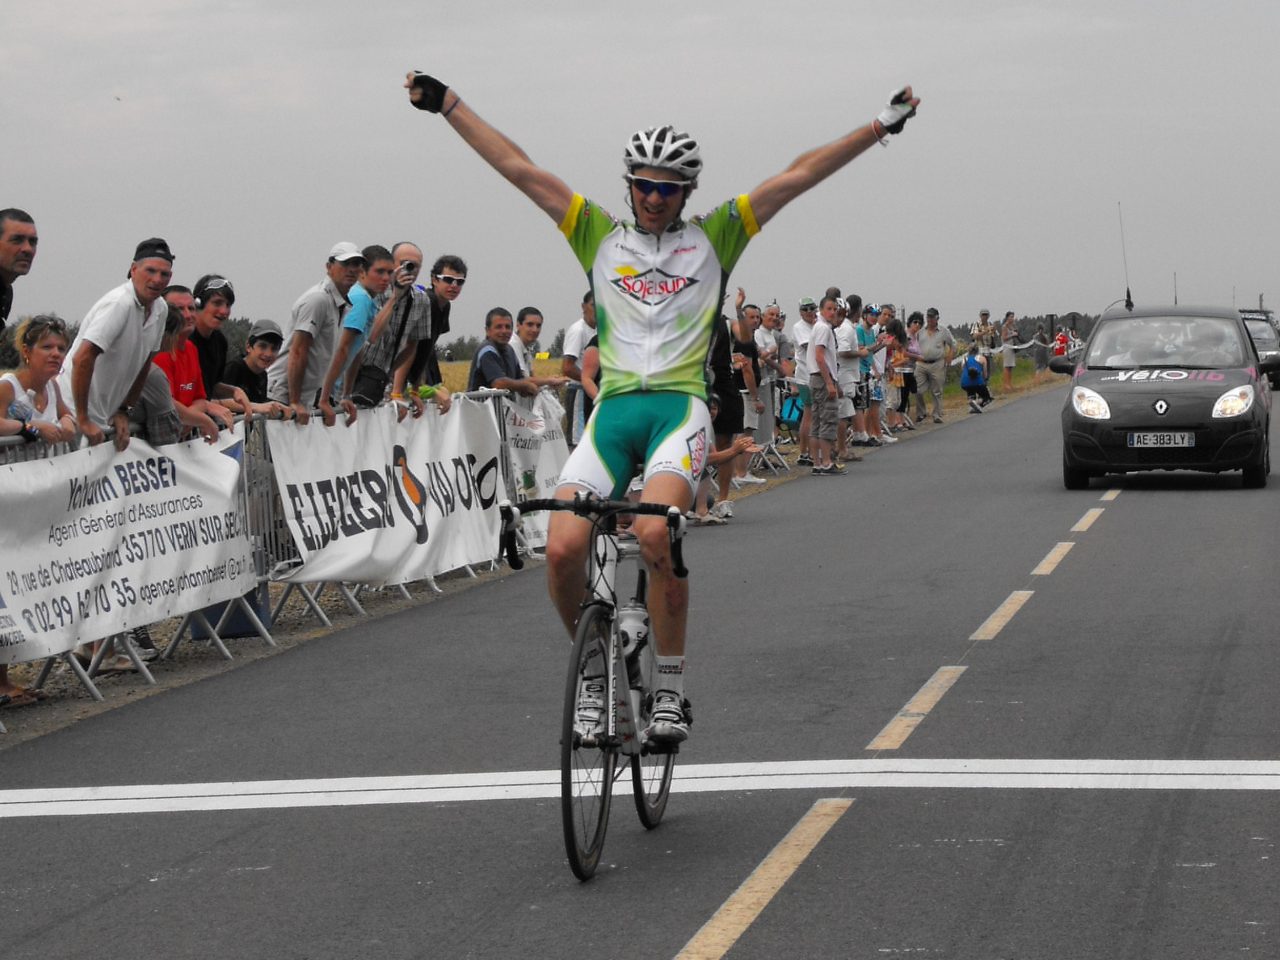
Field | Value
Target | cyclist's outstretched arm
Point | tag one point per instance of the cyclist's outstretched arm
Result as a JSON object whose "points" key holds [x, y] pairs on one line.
{"points": [[502, 153], [811, 168]]}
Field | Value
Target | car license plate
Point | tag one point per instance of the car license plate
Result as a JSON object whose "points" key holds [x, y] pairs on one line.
{"points": [[1162, 439]]}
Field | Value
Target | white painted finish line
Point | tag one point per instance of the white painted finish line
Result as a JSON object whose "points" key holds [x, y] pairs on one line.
{"points": [[695, 778]]}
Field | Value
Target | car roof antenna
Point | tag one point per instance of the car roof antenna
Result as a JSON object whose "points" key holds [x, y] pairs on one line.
{"points": [[1128, 297]]}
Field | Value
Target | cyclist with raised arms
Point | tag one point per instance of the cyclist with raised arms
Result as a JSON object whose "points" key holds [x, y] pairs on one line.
{"points": [[658, 282]]}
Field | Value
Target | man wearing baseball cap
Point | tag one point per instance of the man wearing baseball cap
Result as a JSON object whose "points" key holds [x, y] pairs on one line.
{"points": [[936, 348], [105, 369], [296, 375]]}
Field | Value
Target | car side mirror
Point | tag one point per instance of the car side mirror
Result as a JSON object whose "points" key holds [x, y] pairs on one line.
{"points": [[1062, 365]]}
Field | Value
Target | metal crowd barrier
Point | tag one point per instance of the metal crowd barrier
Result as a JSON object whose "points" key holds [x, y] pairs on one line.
{"points": [[267, 523], [273, 546]]}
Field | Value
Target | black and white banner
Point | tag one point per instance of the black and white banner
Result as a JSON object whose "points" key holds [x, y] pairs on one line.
{"points": [[538, 452], [97, 541], [384, 501]]}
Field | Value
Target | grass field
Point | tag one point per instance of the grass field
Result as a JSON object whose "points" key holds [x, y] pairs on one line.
{"points": [[1024, 378], [455, 374]]}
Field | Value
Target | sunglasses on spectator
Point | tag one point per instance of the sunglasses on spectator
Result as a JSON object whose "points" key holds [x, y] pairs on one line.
{"points": [[451, 281], [665, 188], [808, 309]]}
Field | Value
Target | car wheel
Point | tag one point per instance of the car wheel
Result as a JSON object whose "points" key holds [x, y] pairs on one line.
{"points": [[1073, 477], [1255, 474]]}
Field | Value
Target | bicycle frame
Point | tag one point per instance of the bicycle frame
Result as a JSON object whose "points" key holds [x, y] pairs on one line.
{"points": [[606, 552]]}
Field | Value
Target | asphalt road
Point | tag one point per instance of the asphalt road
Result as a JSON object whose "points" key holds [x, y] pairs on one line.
{"points": [[1095, 777]]}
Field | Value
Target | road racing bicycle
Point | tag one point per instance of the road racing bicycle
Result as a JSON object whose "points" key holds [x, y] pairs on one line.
{"points": [[612, 645]]}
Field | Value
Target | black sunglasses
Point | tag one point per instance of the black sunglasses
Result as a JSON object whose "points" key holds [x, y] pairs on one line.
{"points": [[451, 281], [665, 188]]}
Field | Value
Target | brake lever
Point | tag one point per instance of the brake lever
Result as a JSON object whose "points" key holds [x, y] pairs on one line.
{"points": [[676, 526]]}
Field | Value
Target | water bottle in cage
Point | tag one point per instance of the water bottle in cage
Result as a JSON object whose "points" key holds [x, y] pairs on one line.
{"points": [[633, 623]]}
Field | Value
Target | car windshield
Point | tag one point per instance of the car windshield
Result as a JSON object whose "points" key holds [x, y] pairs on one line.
{"points": [[1196, 343], [1264, 337]]}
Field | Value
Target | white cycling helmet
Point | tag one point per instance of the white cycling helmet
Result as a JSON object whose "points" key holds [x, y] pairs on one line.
{"points": [[666, 149]]}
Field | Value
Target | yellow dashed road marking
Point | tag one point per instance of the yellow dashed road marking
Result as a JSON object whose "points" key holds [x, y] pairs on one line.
{"points": [[1085, 522], [909, 717], [1052, 559], [1004, 613], [722, 931]]}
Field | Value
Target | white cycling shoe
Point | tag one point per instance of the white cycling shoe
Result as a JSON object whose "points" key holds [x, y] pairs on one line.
{"points": [[589, 721], [667, 722]]}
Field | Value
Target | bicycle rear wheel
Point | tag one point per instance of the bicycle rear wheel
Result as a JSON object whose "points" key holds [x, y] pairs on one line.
{"points": [[586, 772], [650, 772]]}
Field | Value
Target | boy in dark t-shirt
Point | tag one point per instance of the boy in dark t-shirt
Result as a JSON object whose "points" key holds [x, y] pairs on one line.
{"points": [[250, 373]]}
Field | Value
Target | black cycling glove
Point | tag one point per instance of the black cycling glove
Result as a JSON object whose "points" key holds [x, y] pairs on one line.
{"points": [[427, 92]]}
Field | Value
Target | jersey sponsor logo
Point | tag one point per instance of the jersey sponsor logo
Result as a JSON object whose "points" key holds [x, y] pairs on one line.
{"points": [[679, 250], [652, 287]]}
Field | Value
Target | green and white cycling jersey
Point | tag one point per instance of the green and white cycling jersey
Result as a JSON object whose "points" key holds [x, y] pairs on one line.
{"points": [[657, 295]]}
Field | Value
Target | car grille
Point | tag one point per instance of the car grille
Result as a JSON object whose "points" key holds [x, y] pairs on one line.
{"points": [[1157, 456]]}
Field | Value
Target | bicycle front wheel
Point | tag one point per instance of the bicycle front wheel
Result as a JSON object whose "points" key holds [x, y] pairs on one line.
{"points": [[586, 771]]}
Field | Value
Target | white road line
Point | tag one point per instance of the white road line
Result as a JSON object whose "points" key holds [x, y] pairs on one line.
{"points": [[1110, 495], [694, 778]]}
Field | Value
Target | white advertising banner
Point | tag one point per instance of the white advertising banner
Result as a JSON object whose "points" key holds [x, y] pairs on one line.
{"points": [[97, 541], [383, 501], [538, 452]]}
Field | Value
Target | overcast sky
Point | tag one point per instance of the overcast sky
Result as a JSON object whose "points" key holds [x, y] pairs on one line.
{"points": [[254, 135]]}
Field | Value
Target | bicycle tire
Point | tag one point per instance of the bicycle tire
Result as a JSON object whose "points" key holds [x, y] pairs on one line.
{"points": [[586, 773], [650, 772]]}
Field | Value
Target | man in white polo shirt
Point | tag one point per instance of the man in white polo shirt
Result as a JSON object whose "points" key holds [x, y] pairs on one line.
{"points": [[801, 332], [298, 372], [106, 367], [577, 404]]}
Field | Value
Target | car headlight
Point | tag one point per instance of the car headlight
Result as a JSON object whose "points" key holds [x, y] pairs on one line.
{"points": [[1234, 402], [1089, 403]]}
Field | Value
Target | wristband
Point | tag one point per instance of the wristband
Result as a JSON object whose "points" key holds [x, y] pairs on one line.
{"points": [[456, 100], [397, 396]]}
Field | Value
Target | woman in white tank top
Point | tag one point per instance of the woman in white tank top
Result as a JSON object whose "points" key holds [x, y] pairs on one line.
{"points": [[30, 405]]}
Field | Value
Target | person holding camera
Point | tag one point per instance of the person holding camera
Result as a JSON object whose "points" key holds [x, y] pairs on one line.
{"points": [[364, 322]]}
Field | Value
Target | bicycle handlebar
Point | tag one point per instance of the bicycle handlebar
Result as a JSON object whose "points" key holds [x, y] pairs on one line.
{"points": [[593, 507]]}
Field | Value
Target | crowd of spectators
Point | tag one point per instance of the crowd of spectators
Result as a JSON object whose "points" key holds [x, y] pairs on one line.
{"points": [[150, 358], [852, 369]]}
